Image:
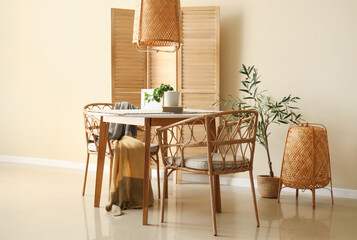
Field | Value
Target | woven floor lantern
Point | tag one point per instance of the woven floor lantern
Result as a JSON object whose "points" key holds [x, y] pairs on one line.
{"points": [[157, 25], [306, 161]]}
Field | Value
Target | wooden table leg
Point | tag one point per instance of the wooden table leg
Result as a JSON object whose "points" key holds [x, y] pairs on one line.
{"points": [[103, 138], [146, 170]]}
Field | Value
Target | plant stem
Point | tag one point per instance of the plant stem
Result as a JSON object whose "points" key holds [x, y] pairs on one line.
{"points": [[269, 161], [266, 144]]}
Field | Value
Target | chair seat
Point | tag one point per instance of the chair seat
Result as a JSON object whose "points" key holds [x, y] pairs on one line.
{"points": [[153, 147], [200, 162], [92, 148]]}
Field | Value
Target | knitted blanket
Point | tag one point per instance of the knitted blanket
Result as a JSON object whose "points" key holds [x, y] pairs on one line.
{"points": [[117, 131], [127, 181]]}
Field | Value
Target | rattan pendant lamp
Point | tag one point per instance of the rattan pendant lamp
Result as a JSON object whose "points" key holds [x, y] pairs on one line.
{"points": [[157, 25]]}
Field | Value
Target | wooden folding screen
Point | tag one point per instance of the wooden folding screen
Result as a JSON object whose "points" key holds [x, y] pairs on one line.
{"points": [[128, 64], [200, 61], [194, 70]]}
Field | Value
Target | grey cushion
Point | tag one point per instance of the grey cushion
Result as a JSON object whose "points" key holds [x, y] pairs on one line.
{"points": [[92, 148], [153, 147], [200, 162]]}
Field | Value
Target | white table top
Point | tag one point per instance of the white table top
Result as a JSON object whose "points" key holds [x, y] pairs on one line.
{"points": [[187, 113]]}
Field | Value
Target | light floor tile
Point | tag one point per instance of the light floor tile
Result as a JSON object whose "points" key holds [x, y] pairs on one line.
{"points": [[46, 203]]}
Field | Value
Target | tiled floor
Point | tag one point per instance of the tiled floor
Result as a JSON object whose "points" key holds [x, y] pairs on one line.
{"points": [[46, 203]]}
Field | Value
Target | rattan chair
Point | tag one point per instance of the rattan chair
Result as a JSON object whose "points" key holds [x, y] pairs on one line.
{"points": [[229, 141], [92, 126]]}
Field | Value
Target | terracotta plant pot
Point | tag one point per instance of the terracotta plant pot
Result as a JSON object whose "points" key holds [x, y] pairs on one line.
{"points": [[268, 187]]}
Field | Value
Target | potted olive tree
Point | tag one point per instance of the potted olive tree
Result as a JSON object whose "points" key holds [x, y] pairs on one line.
{"points": [[270, 112]]}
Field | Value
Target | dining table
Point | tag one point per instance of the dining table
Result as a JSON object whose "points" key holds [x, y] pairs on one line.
{"points": [[140, 117]]}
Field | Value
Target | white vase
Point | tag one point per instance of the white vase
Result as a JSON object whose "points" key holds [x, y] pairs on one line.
{"points": [[171, 99]]}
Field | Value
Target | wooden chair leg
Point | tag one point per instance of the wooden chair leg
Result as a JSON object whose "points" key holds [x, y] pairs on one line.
{"points": [[85, 176], [297, 193], [163, 195], [213, 205], [110, 175], [217, 191], [165, 191], [313, 198], [331, 193], [254, 198], [279, 190], [158, 174]]}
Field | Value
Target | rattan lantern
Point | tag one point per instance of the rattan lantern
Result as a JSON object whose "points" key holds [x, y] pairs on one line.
{"points": [[158, 25], [306, 161]]}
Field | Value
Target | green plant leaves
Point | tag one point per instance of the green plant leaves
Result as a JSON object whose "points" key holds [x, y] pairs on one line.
{"points": [[158, 93], [278, 112]]}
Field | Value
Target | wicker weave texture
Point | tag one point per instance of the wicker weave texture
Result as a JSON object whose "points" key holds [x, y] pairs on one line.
{"points": [[306, 163], [158, 23], [234, 138]]}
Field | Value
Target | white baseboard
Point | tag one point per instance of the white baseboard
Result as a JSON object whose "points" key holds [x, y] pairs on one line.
{"points": [[245, 182], [240, 182], [49, 162]]}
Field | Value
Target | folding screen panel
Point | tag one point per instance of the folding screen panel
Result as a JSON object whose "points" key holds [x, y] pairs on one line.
{"points": [[200, 62], [162, 68], [199, 57], [128, 64]]}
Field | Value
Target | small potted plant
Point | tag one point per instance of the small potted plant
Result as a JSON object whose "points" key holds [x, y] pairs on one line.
{"points": [[165, 91], [270, 112]]}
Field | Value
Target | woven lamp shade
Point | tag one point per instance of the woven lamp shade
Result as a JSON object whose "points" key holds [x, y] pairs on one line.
{"points": [[306, 161], [158, 24]]}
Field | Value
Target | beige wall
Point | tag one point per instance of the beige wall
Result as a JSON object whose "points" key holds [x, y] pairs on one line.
{"points": [[55, 57]]}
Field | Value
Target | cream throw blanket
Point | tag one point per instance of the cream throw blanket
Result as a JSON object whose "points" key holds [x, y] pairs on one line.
{"points": [[126, 190]]}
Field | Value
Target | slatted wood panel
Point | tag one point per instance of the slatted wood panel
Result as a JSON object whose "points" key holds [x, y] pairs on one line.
{"points": [[162, 69], [199, 57], [200, 61], [128, 64]]}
